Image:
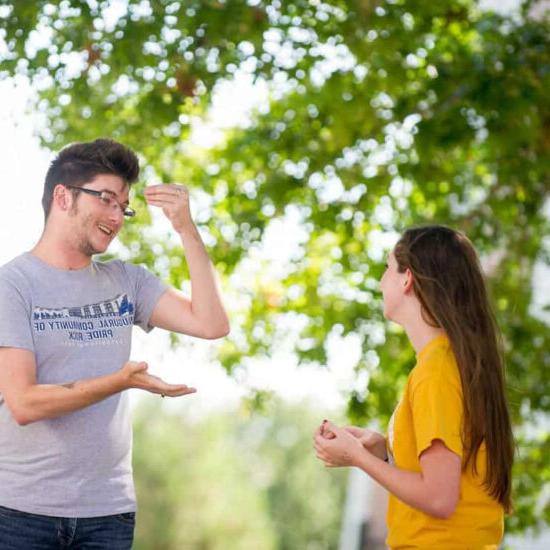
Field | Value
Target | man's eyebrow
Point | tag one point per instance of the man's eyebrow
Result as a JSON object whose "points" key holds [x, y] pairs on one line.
{"points": [[125, 203]]}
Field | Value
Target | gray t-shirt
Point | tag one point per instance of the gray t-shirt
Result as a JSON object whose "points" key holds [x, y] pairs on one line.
{"points": [[79, 325]]}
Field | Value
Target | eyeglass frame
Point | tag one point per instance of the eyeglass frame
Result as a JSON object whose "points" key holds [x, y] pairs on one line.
{"points": [[127, 212]]}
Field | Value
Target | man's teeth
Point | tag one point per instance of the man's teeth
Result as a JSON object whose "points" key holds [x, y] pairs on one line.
{"points": [[105, 229]]}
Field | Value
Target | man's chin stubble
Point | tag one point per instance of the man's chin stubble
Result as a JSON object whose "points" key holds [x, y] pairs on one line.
{"points": [[87, 249]]}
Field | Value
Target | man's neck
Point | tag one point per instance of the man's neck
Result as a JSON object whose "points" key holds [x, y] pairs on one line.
{"points": [[59, 255]]}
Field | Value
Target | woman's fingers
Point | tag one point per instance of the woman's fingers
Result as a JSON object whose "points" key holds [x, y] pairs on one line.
{"points": [[355, 431]]}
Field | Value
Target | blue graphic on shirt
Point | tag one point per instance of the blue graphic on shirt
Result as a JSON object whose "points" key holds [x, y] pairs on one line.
{"points": [[87, 323], [118, 306]]}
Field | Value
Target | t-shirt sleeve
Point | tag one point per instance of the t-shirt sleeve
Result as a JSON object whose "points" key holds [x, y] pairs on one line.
{"points": [[437, 412], [15, 317], [148, 289]]}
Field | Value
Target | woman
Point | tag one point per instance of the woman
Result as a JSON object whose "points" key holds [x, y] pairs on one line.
{"points": [[448, 455]]}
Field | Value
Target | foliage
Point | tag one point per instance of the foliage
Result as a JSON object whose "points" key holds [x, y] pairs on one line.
{"points": [[379, 115], [231, 481]]}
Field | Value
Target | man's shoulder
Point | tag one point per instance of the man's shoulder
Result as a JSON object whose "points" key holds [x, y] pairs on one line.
{"points": [[122, 268], [108, 265], [16, 276], [116, 265], [14, 268]]}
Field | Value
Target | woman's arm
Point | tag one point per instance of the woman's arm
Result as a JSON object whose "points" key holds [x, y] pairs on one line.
{"points": [[434, 491]]}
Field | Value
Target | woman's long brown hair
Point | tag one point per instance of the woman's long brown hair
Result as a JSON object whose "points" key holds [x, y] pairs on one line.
{"points": [[449, 284]]}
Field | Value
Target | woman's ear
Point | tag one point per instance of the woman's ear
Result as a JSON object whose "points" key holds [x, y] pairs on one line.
{"points": [[409, 280]]}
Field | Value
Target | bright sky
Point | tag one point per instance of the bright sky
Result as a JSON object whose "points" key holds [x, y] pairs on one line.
{"points": [[22, 172]]}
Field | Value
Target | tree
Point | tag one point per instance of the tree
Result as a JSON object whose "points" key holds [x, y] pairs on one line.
{"points": [[180, 504], [380, 115], [233, 481]]}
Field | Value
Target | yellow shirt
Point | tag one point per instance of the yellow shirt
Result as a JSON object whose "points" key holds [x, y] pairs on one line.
{"points": [[432, 408]]}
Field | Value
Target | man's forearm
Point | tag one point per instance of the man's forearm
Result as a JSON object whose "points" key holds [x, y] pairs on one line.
{"points": [[206, 300], [43, 401]]}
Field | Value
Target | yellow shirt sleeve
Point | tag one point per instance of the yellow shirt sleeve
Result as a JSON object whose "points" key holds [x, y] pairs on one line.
{"points": [[437, 413]]}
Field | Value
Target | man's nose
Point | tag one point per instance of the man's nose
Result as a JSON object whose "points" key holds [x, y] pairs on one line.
{"points": [[117, 213]]}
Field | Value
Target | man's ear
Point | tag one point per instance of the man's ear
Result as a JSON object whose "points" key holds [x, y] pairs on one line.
{"points": [[60, 197], [409, 281]]}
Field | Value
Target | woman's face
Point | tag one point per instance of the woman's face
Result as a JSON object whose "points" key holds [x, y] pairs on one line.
{"points": [[393, 286]]}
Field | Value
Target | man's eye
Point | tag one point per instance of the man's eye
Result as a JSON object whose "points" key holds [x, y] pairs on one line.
{"points": [[107, 198]]}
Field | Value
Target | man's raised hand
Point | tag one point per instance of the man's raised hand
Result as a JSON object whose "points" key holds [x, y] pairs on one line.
{"points": [[173, 198]]}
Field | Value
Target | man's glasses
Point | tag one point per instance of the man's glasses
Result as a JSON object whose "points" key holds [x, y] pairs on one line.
{"points": [[107, 198]]}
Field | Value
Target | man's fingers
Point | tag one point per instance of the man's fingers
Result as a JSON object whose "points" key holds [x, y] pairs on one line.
{"points": [[159, 197], [182, 388], [180, 393], [141, 366], [166, 191], [164, 186], [177, 390], [161, 202], [155, 384]]}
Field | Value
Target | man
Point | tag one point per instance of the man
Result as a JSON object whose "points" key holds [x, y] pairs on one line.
{"points": [[65, 334]]}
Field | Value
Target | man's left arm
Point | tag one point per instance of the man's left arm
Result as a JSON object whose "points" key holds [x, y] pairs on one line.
{"points": [[203, 314]]}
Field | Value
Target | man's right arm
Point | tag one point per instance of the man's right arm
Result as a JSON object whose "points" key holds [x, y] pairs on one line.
{"points": [[29, 402]]}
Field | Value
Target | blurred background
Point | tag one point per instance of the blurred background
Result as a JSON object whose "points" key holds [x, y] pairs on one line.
{"points": [[310, 134]]}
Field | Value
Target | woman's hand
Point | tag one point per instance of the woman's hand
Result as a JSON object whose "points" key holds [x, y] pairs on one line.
{"points": [[373, 441], [337, 446]]}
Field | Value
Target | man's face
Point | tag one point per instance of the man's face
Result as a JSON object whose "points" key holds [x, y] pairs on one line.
{"points": [[94, 220]]}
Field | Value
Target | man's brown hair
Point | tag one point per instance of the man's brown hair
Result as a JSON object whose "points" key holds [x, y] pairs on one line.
{"points": [[80, 163]]}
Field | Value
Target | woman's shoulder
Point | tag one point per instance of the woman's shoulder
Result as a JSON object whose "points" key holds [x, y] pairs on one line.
{"points": [[437, 363]]}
